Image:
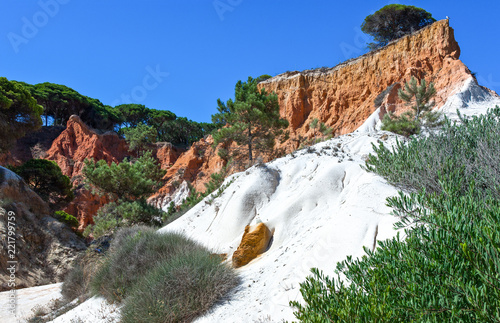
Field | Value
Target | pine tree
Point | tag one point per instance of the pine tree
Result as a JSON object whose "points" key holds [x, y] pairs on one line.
{"points": [[394, 21], [320, 127], [422, 94], [418, 97], [252, 119]]}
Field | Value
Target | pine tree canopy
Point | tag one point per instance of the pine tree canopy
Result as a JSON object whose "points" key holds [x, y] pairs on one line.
{"points": [[252, 119], [394, 21]]}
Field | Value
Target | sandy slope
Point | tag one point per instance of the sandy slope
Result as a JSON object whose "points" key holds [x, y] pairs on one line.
{"points": [[27, 299]]}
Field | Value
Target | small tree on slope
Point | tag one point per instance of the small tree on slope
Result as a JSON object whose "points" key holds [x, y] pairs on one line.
{"points": [[252, 119], [418, 97]]}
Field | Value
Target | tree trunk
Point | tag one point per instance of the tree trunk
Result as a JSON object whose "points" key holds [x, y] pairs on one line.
{"points": [[250, 157]]}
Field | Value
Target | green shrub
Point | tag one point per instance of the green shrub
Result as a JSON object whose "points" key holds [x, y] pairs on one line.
{"points": [[66, 218], [124, 213], [179, 289], [447, 269], [404, 125], [472, 148], [138, 254], [161, 277], [46, 179]]}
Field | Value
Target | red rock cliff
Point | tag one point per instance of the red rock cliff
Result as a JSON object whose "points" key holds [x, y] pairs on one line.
{"points": [[75, 144], [78, 142]]}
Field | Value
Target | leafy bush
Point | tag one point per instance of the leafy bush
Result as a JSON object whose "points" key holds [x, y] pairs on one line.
{"points": [[448, 267], [126, 180], [179, 289], [471, 148], [404, 125], [124, 213], [66, 218]]}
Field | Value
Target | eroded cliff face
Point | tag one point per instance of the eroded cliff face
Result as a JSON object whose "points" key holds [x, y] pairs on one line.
{"points": [[70, 149], [194, 166], [44, 247], [78, 142], [343, 97]]}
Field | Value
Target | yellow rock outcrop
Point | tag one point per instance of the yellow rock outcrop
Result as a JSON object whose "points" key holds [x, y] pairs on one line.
{"points": [[254, 242]]}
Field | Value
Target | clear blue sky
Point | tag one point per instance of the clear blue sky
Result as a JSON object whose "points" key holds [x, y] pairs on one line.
{"points": [[183, 55]]}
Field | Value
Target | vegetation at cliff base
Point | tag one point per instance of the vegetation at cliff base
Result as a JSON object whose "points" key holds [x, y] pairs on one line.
{"points": [[447, 269], [418, 97], [394, 21], [161, 277], [252, 119], [128, 184], [19, 113]]}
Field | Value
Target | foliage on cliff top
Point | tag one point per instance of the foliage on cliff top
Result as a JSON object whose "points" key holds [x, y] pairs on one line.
{"points": [[19, 113], [394, 21]]}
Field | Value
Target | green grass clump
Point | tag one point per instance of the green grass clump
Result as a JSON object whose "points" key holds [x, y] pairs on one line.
{"points": [[134, 258], [161, 277], [179, 290], [447, 269]]}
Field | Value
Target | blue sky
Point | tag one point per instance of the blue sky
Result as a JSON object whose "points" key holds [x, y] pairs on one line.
{"points": [[183, 55]]}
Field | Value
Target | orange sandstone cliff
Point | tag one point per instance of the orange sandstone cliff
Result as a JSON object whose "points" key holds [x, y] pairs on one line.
{"points": [[342, 97]]}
